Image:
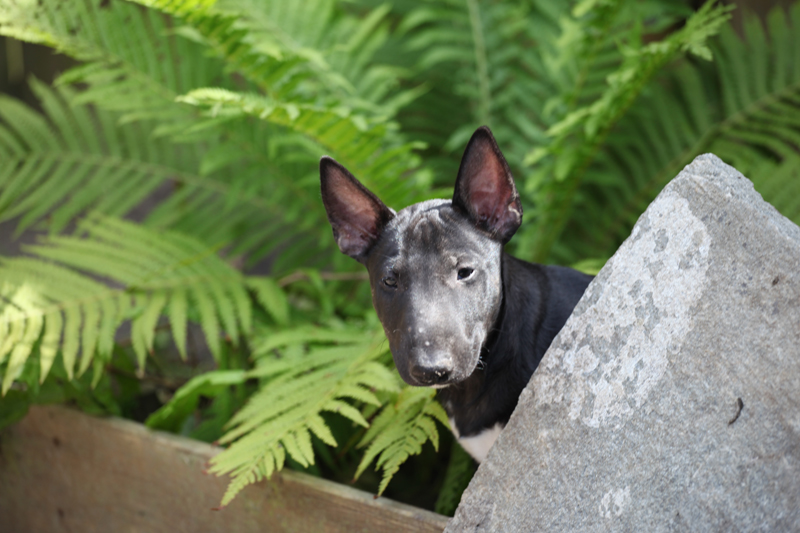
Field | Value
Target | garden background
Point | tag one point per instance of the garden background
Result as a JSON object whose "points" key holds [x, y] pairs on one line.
{"points": [[164, 253]]}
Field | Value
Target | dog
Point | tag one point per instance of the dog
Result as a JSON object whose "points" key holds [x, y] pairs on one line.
{"points": [[460, 314]]}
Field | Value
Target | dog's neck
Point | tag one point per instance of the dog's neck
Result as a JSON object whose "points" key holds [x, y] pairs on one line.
{"points": [[510, 354]]}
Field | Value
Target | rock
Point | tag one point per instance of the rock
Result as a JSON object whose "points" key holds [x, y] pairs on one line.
{"points": [[670, 401]]}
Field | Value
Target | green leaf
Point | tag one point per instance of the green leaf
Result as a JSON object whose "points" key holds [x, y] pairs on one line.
{"points": [[400, 430], [52, 292], [286, 409], [186, 399], [271, 298]]}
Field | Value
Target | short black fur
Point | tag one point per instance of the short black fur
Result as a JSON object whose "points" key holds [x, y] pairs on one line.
{"points": [[537, 301]]}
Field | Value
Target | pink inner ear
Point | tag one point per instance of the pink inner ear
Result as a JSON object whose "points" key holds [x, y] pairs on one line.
{"points": [[360, 213], [485, 188], [488, 190], [357, 216]]}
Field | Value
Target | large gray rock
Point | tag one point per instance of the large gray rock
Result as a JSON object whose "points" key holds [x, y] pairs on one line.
{"points": [[630, 422]]}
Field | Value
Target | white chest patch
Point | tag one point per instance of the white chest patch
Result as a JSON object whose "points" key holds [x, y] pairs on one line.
{"points": [[477, 445]]}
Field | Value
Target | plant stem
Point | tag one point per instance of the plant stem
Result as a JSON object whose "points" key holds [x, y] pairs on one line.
{"points": [[481, 63]]}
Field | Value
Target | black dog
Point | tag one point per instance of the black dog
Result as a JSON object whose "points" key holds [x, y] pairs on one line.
{"points": [[460, 314]]}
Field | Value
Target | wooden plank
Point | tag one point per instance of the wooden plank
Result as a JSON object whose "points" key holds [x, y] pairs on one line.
{"points": [[65, 471]]}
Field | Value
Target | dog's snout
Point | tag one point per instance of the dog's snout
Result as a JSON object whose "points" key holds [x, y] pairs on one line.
{"points": [[430, 375]]}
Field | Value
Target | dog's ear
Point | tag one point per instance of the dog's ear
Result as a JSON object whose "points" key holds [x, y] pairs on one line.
{"points": [[485, 189], [356, 215]]}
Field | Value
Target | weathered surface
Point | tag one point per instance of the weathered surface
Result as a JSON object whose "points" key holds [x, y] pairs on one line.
{"points": [[629, 424], [65, 471]]}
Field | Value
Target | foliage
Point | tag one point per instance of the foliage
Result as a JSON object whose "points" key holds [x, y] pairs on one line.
{"points": [[741, 107], [400, 430], [460, 470], [180, 158], [72, 312], [577, 137], [297, 387]]}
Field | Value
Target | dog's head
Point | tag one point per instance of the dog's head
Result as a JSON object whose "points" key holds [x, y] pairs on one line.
{"points": [[435, 266]]}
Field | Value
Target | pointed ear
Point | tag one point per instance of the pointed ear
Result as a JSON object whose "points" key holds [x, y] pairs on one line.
{"points": [[356, 215], [485, 189]]}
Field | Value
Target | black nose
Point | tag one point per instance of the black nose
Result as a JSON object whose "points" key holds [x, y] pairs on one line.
{"points": [[430, 376]]}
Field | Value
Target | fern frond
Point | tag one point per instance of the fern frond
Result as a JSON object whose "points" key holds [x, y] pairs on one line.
{"points": [[271, 298], [271, 59], [38, 293], [307, 51], [20, 327], [139, 62], [75, 158], [65, 165], [460, 470], [400, 430], [186, 399], [135, 68], [518, 67], [476, 58], [354, 140], [296, 389], [779, 183], [694, 109], [576, 138], [80, 315], [129, 65]]}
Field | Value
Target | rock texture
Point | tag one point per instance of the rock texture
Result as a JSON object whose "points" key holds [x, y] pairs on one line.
{"points": [[670, 401]]}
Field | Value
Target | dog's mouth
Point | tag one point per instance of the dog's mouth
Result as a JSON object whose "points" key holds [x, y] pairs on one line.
{"points": [[455, 380], [443, 385]]}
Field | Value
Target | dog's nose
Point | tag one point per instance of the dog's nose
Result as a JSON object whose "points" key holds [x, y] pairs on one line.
{"points": [[430, 375]]}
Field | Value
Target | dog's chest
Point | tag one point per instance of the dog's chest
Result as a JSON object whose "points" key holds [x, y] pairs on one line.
{"points": [[478, 445]]}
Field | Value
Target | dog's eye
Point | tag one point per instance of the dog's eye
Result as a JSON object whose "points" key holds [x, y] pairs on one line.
{"points": [[464, 273], [390, 281]]}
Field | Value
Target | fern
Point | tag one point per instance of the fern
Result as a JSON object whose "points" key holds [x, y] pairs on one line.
{"points": [[123, 83], [297, 387], [115, 164], [700, 108], [349, 137], [476, 59], [140, 76], [185, 401], [400, 430], [319, 95], [86, 159], [576, 138], [516, 66], [129, 66], [368, 149], [75, 313], [460, 470], [303, 52]]}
